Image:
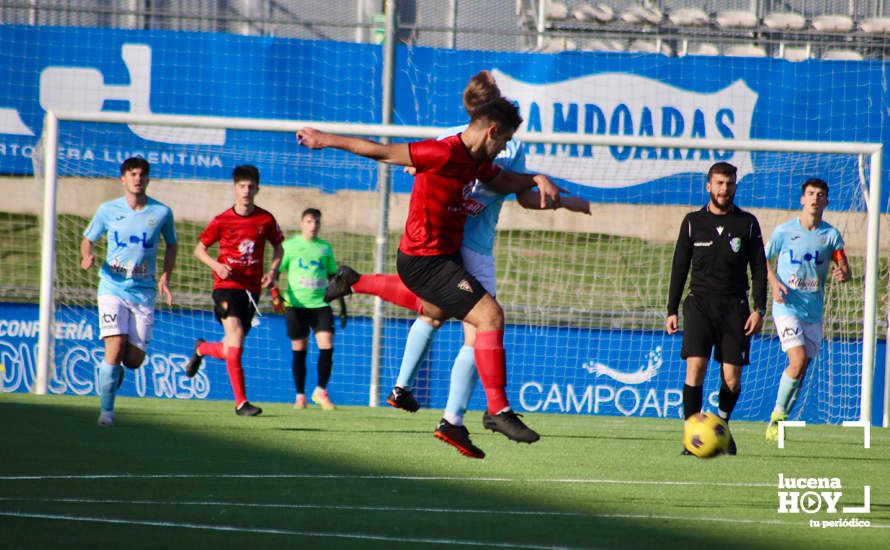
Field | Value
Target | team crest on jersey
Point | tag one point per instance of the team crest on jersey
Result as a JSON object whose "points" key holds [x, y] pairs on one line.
{"points": [[473, 207], [465, 286], [736, 244], [246, 247]]}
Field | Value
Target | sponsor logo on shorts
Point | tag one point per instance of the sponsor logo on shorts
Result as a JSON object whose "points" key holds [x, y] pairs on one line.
{"points": [[465, 286]]}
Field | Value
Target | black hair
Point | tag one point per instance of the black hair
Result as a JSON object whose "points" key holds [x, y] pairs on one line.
{"points": [[246, 172], [135, 162], [314, 212], [724, 169], [814, 182]]}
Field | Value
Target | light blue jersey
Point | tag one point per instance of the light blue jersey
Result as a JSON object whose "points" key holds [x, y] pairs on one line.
{"points": [[804, 261], [133, 238], [484, 205]]}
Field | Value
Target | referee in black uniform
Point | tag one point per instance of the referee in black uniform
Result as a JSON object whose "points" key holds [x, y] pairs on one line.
{"points": [[719, 242]]}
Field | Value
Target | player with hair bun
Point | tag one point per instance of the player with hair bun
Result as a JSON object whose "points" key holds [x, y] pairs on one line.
{"points": [[432, 279], [483, 207]]}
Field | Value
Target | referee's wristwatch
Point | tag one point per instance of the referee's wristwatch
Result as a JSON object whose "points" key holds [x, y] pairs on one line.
{"points": [[762, 312]]}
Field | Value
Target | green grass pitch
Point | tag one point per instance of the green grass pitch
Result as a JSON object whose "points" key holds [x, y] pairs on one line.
{"points": [[191, 474]]}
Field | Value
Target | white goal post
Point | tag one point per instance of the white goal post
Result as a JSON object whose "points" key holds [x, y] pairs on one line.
{"points": [[870, 152]]}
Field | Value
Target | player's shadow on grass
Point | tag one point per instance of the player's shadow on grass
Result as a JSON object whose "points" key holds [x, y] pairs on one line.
{"points": [[227, 481]]}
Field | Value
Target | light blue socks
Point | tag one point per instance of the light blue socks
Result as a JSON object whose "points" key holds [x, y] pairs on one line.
{"points": [[787, 394], [420, 336], [463, 381], [109, 380]]}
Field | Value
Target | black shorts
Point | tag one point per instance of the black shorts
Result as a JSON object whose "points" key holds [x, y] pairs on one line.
{"points": [[718, 323], [441, 281], [232, 302], [301, 319]]}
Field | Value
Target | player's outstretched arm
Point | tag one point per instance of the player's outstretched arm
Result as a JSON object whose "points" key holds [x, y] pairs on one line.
{"points": [[86, 253], [508, 182], [389, 153], [530, 199], [164, 280]]}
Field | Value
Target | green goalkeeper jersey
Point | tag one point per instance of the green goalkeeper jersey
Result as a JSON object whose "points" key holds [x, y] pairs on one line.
{"points": [[308, 265]]}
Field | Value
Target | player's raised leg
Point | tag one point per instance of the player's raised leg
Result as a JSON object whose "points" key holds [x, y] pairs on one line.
{"points": [[387, 287]]}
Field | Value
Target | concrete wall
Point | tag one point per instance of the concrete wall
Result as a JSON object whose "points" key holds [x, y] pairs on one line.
{"points": [[357, 212]]}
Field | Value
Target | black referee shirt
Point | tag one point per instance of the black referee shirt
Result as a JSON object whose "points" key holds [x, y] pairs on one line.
{"points": [[719, 249]]}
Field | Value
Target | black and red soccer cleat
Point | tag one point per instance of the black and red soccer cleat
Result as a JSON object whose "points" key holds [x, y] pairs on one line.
{"points": [[191, 368], [401, 398], [246, 409], [509, 424], [340, 284], [459, 438]]}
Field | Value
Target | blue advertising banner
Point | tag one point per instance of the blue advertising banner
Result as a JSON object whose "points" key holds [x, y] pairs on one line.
{"points": [[543, 376], [572, 92]]}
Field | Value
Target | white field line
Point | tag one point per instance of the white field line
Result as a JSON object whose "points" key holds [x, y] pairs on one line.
{"points": [[271, 530], [436, 510], [93, 477], [289, 506]]}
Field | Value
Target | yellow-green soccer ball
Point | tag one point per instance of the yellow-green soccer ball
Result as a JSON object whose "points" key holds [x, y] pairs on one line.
{"points": [[705, 435]]}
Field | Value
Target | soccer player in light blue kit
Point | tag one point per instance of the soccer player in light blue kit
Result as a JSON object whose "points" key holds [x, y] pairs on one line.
{"points": [[133, 225], [805, 247], [483, 207]]}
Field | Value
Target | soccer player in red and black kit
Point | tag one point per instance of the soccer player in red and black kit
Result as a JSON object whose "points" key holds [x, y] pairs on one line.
{"points": [[719, 242], [238, 277], [429, 261]]}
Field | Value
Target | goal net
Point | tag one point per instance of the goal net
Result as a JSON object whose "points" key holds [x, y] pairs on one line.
{"points": [[584, 296]]}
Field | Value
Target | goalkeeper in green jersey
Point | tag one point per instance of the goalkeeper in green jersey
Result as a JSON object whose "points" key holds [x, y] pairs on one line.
{"points": [[309, 262]]}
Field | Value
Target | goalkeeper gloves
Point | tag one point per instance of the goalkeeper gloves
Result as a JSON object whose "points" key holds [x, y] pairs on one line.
{"points": [[277, 302]]}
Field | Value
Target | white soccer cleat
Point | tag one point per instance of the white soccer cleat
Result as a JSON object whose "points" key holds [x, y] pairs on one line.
{"points": [[106, 420]]}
